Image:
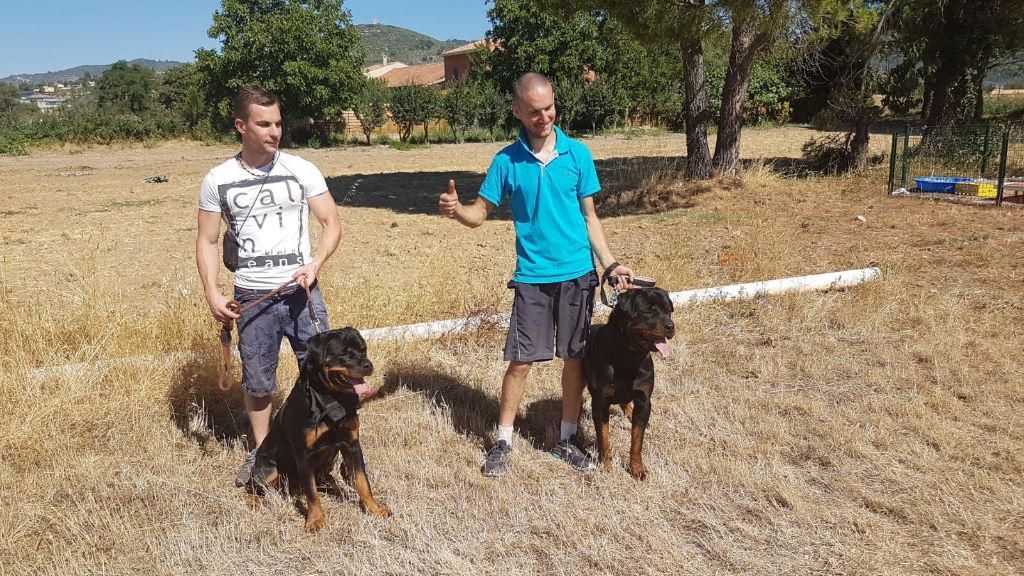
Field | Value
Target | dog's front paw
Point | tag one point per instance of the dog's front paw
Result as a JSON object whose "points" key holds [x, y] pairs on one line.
{"points": [[379, 510], [315, 520], [637, 470], [253, 501]]}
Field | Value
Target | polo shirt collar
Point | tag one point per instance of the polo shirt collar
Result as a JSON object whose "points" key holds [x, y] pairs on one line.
{"points": [[561, 140]]}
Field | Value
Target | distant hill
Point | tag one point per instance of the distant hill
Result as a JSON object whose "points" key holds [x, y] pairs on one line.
{"points": [[403, 45], [73, 74]]}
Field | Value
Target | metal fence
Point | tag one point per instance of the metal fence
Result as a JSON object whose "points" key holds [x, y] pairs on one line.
{"points": [[983, 162]]}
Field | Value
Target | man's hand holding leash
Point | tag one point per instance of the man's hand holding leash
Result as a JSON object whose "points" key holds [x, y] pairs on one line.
{"points": [[220, 309]]}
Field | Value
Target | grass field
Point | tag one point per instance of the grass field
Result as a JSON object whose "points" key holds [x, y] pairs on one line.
{"points": [[878, 430]]}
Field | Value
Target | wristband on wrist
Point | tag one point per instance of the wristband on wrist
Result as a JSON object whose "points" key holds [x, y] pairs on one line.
{"points": [[608, 270]]}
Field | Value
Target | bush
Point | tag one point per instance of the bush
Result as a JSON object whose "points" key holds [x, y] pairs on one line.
{"points": [[832, 154], [827, 154]]}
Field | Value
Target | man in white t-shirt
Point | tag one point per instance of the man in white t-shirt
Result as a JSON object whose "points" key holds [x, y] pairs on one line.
{"points": [[264, 196]]}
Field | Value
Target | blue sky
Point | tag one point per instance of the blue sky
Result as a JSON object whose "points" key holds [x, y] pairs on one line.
{"points": [[43, 36]]}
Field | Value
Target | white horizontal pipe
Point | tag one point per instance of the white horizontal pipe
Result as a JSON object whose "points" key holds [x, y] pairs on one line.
{"points": [[748, 291], [753, 290]]}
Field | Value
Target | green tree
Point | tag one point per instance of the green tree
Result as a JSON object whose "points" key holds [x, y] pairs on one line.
{"points": [[493, 107], [412, 105], [125, 87], [569, 104], [371, 106], [432, 104], [179, 91], [306, 52], [751, 25], [600, 102], [9, 100], [459, 106], [843, 79], [573, 48], [955, 43]]}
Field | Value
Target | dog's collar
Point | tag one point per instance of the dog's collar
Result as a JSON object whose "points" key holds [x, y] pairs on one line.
{"points": [[324, 408]]}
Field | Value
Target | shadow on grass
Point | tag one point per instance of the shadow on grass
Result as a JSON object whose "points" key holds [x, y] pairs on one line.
{"points": [[199, 408], [474, 413], [633, 185]]}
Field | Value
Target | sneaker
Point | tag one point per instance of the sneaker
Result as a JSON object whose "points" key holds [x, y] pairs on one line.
{"points": [[573, 455], [496, 461], [246, 472]]}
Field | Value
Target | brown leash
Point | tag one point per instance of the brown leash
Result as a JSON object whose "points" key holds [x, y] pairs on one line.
{"points": [[225, 382]]}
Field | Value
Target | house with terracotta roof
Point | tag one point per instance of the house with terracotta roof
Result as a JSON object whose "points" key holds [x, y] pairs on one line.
{"points": [[378, 70], [422, 75], [457, 60]]}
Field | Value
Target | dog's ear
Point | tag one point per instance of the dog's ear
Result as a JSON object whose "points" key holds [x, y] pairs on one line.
{"points": [[352, 335], [316, 347], [666, 299], [627, 302], [625, 307]]}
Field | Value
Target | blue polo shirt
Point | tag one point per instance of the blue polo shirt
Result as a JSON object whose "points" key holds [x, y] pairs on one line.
{"points": [[551, 234]]}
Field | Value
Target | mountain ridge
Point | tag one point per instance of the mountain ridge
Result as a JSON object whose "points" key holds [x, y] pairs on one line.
{"points": [[399, 44]]}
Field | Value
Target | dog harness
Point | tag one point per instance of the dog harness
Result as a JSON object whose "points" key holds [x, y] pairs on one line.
{"points": [[323, 410]]}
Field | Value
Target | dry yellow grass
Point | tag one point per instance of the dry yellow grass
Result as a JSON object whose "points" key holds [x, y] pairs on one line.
{"points": [[872, 431]]}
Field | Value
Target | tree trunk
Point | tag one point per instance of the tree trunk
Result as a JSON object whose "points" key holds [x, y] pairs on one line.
{"points": [[745, 42], [695, 88], [859, 142], [926, 99], [979, 93], [942, 108]]}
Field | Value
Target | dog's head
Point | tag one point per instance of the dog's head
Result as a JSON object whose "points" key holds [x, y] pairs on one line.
{"points": [[337, 360], [644, 315]]}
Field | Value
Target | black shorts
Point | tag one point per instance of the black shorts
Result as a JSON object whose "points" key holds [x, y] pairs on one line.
{"points": [[550, 319]]}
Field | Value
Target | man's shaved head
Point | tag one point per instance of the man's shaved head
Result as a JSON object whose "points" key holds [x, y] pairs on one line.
{"points": [[528, 83]]}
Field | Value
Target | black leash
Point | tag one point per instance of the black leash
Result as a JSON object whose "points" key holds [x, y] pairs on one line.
{"points": [[636, 282]]}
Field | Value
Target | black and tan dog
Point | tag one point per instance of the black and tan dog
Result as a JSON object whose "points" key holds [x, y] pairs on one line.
{"points": [[318, 421], [618, 368]]}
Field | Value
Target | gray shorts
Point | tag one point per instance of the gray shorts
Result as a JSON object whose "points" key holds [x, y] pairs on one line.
{"points": [[550, 319], [261, 328]]}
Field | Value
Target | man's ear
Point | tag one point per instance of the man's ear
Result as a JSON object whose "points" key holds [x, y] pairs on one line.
{"points": [[240, 125]]}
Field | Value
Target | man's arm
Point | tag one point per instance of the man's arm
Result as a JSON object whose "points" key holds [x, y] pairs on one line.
{"points": [[471, 215], [599, 243], [326, 213], [206, 261]]}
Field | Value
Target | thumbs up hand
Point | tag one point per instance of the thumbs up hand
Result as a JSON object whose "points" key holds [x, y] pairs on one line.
{"points": [[449, 201]]}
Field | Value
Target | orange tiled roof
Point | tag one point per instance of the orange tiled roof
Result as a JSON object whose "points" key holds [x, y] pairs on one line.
{"points": [[424, 75], [466, 48]]}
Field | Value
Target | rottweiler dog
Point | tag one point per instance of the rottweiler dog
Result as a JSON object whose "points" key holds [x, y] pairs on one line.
{"points": [[618, 368], [318, 421]]}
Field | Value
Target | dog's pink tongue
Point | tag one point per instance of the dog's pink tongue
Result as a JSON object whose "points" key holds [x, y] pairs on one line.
{"points": [[662, 348], [360, 387]]}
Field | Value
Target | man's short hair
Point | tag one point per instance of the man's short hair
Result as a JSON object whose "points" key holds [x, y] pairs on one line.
{"points": [[251, 95], [528, 82]]}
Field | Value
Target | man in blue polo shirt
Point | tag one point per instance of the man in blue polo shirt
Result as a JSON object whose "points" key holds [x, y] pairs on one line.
{"points": [[549, 180]]}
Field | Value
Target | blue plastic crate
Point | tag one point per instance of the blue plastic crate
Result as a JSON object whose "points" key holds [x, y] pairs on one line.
{"points": [[939, 183]]}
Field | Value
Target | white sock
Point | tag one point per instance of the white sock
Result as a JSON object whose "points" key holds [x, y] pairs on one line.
{"points": [[504, 433], [568, 429]]}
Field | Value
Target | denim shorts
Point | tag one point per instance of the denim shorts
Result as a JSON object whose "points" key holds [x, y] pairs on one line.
{"points": [[260, 330], [550, 319]]}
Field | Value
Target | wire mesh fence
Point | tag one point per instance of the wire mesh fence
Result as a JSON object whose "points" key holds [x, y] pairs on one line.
{"points": [[983, 163]]}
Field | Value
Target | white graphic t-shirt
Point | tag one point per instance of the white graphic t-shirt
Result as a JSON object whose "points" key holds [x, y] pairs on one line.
{"points": [[269, 213]]}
